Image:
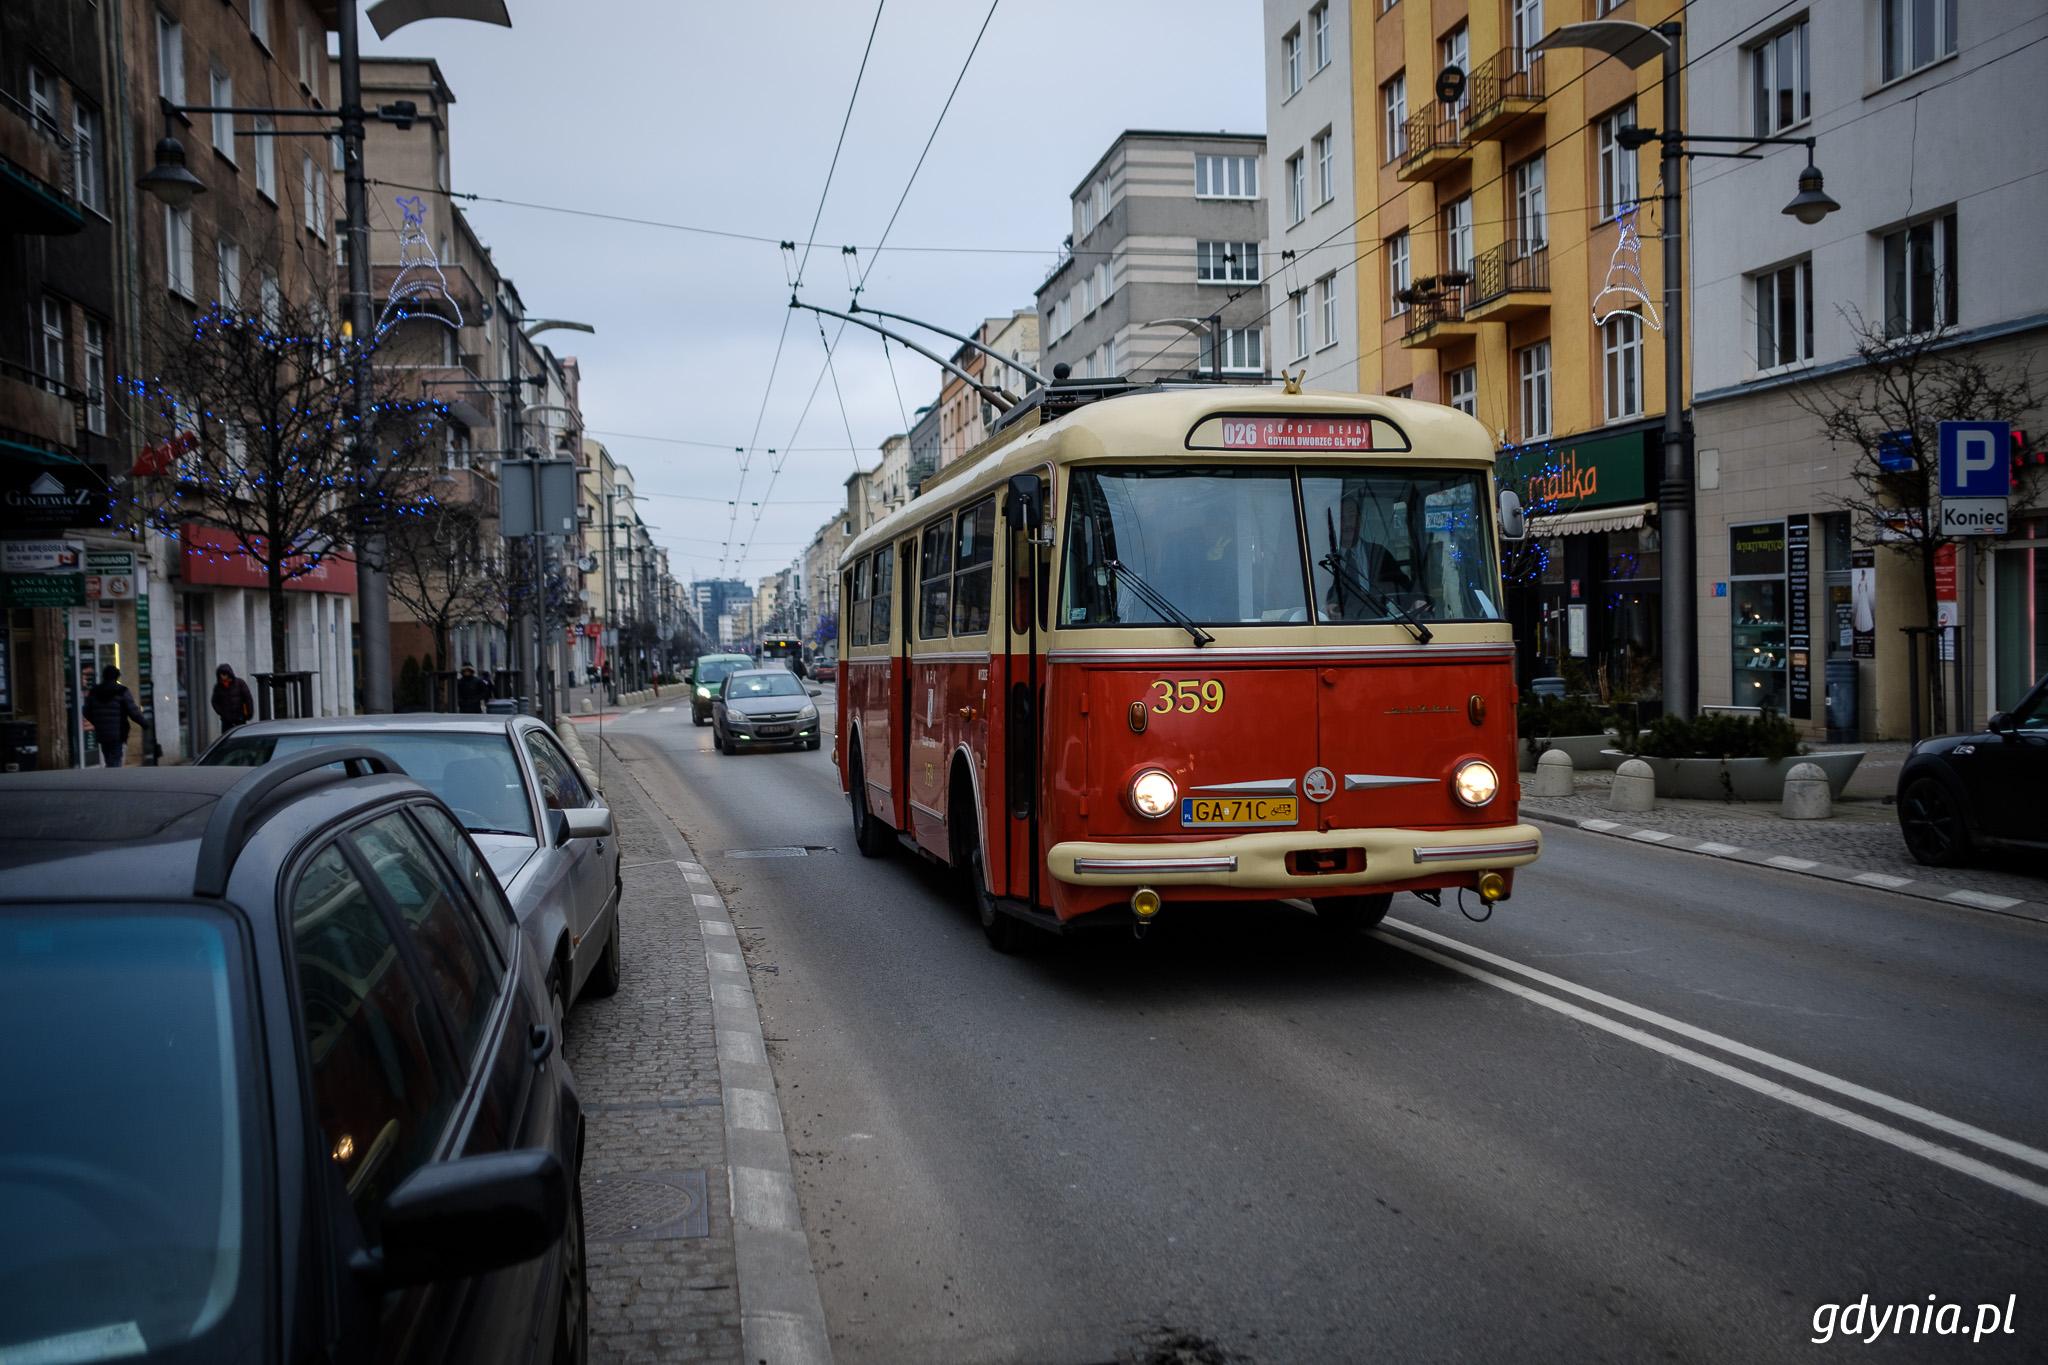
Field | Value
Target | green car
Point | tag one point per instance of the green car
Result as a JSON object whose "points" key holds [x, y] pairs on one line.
{"points": [[707, 675]]}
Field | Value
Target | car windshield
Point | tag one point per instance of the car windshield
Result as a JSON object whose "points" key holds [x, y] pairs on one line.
{"points": [[1387, 541], [714, 670], [776, 684], [476, 774], [130, 1141]]}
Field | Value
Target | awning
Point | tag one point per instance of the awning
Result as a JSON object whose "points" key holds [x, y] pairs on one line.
{"points": [[1627, 518]]}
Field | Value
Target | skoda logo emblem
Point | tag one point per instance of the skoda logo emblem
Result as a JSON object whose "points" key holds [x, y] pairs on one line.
{"points": [[1318, 784]]}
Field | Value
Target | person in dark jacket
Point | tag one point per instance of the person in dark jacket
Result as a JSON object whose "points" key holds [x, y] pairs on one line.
{"points": [[231, 699], [471, 692], [108, 707]]}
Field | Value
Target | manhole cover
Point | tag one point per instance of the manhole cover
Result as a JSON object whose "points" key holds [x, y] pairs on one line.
{"points": [[646, 1206]]}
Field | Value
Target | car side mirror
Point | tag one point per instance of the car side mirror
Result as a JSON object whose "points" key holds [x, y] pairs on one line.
{"points": [[590, 822], [455, 1219], [815, 691], [2000, 723], [1514, 523]]}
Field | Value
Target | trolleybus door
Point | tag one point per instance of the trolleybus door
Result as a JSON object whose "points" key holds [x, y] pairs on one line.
{"points": [[1020, 741]]}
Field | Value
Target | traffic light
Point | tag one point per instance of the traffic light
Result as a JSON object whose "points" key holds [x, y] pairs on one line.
{"points": [[2024, 459]]}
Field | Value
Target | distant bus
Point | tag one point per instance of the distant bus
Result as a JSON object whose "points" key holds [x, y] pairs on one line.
{"points": [[787, 650]]}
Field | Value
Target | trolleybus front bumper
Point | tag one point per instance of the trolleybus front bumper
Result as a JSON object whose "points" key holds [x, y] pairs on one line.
{"points": [[1264, 861]]}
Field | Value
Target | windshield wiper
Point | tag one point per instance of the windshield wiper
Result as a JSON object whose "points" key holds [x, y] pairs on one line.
{"points": [[486, 829], [1349, 581], [1152, 598]]}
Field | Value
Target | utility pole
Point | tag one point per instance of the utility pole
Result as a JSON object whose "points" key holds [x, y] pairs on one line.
{"points": [[373, 588], [1674, 492]]}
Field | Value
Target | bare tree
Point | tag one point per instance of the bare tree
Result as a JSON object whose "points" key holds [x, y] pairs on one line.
{"points": [[442, 569], [1889, 409], [258, 417]]}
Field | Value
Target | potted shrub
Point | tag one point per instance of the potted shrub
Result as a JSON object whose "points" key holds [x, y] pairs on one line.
{"points": [[1730, 757], [1572, 724]]}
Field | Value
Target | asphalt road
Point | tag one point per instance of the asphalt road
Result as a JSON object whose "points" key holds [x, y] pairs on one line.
{"points": [[1659, 1107]]}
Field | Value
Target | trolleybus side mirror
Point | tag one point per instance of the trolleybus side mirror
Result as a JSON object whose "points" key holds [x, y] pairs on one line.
{"points": [[1021, 507], [1514, 525]]}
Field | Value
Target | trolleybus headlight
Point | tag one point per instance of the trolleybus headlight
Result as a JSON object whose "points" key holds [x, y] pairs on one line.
{"points": [[1153, 793], [1475, 782]]}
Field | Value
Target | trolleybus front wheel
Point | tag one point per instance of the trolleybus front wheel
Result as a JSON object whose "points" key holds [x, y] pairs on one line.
{"points": [[870, 835], [1346, 917]]}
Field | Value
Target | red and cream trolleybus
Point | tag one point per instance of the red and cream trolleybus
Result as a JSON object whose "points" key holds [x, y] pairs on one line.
{"points": [[1191, 645]]}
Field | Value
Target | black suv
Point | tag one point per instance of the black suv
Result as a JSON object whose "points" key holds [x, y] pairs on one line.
{"points": [[282, 1081]]}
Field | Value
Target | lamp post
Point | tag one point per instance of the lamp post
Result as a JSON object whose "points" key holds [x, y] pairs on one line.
{"points": [[1636, 45], [1211, 327]]}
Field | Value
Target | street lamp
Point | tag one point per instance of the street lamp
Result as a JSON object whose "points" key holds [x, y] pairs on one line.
{"points": [[1211, 327], [1636, 45], [168, 179]]}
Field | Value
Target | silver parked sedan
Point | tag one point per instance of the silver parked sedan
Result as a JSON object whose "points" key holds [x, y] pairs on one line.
{"points": [[546, 831], [757, 706]]}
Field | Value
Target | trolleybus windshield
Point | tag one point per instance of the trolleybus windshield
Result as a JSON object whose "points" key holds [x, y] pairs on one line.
{"points": [[1224, 545]]}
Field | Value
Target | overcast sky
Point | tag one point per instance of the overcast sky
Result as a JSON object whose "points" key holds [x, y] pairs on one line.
{"points": [[724, 116]]}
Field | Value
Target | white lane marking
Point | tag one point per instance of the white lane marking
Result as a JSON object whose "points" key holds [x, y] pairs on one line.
{"points": [[666, 709], [709, 902], [1906, 1142], [1794, 864], [1722, 850], [1598, 824], [1941, 1123], [1890, 883], [1654, 836], [1983, 900]]}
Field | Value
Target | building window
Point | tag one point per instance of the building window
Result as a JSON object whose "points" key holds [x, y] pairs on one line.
{"points": [[1617, 163], [1326, 167], [271, 299], [1300, 301], [1326, 299], [1525, 26], [170, 58], [1530, 229], [1102, 288], [227, 259], [1394, 103], [1319, 23], [263, 149], [316, 197], [1621, 348], [95, 376], [56, 348], [89, 155], [1397, 272], [1101, 199], [1780, 93], [1920, 277], [1297, 189], [1109, 358], [1226, 177], [259, 22], [1463, 386], [1784, 315], [1532, 363], [1087, 295], [1455, 49], [222, 88], [1457, 227], [1915, 33], [1227, 262], [1290, 63], [1084, 214], [42, 100], [178, 250], [1405, 391], [1243, 351]]}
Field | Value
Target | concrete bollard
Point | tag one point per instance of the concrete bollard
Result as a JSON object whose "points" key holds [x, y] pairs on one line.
{"points": [[1807, 796], [1635, 787], [1553, 774]]}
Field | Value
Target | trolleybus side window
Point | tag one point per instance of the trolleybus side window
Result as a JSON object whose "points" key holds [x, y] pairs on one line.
{"points": [[884, 576], [857, 630], [934, 599], [1401, 540], [975, 547], [1219, 545]]}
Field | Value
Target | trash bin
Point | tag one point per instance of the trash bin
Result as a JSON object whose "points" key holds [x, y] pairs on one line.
{"points": [[1841, 700], [502, 706]]}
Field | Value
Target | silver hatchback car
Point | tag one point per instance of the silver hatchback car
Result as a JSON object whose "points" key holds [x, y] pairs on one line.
{"points": [[546, 832]]}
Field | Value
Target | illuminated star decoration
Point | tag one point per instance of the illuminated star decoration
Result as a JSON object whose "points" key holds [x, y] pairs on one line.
{"points": [[419, 271], [1625, 275]]}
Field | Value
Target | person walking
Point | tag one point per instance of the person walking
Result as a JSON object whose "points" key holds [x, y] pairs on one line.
{"points": [[107, 709], [471, 692], [231, 700]]}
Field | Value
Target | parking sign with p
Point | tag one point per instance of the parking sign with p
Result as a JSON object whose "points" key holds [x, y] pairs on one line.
{"points": [[1975, 477]]}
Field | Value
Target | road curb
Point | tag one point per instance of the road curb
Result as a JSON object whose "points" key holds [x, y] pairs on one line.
{"points": [[2011, 907], [782, 1314]]}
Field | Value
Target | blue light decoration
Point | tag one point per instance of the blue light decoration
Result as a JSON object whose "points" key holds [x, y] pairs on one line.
{"points": [[419, 272], [1521, 468]]}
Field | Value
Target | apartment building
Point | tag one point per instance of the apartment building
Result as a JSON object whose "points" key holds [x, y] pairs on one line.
{"points": [[1493, 230], [1802, 600], [1166, 225], [966, 417], [1311, 307]]}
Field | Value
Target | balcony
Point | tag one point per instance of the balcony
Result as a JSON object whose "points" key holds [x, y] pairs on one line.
{"points": [[446, 291], [471, 487], [1510, 281], [1435, 144], [470, 404], [38, 175], [39, 412], [1436, 314], [1505, 87]]}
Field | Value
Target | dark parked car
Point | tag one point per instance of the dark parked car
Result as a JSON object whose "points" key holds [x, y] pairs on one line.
{"points": [[706, 676], [283, 1082], [764, 706], [1962, 793], [546, 831]]}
